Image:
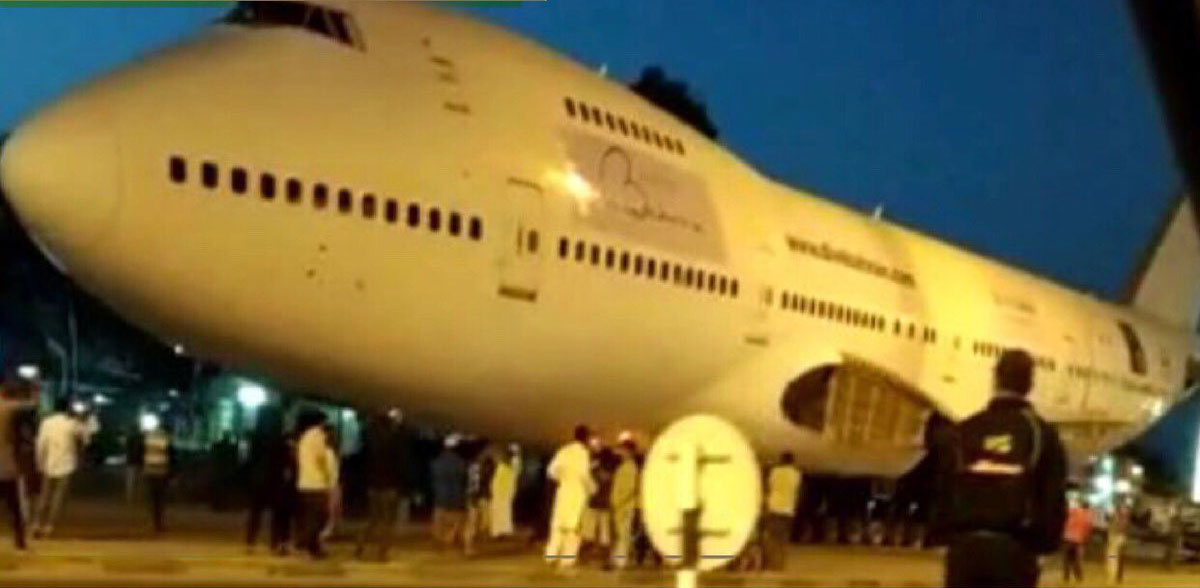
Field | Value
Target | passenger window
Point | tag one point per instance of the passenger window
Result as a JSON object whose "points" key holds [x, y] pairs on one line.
{"points": [[455, 225], [699, 279], [391, 211], [293, 190], [679, 144], [584, 113], [413, 215], [712, 282], [621, 124], [345, 201], [664, 270], [266, 185], [368, 205], [531, 241], [733, 288], [658, 140], [580, 248], [678, 271], [912, 331], [610, 258], [634, 130], [646, 134], [564, 247], [596, 116], [723, 285], [624, 261], [570, 107], [177, 169], [237, 180], [595, 257], [320, 196], [208, 174], [435, 219], [612, 124], [476, 228], [637, 265], [651, 268]]}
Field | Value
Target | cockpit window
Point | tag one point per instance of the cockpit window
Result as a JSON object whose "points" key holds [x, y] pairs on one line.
{"points": [[327, 22]]}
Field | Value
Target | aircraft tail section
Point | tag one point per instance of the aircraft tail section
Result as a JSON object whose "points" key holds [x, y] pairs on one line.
{"points": [[1167, 282]]}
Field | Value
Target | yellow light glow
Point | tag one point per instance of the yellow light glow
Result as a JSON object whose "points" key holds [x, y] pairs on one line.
{"points": [[571, 182]]}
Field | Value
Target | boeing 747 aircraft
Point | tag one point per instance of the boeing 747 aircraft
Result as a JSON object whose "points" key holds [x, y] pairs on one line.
{"points": [[408, 207]]}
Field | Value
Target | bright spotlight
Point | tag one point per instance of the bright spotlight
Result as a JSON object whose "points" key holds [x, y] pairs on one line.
{"points": [[28, 371], [178, 349], [251, 395], [149, 421], [101, 400]]}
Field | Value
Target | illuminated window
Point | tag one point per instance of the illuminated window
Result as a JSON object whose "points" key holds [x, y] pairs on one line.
{"points": [[294, 191], [413, 215], [266, 186], [345, 201], [391, 211], [455, 224], [320, 196], [237, 180], [368, 206], [177, 169]]}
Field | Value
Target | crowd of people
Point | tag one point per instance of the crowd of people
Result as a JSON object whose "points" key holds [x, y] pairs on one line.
{"points": [[999, 496]]}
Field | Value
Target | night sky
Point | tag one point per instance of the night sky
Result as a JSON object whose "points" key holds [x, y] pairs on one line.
{"points": [[1026, 130]]}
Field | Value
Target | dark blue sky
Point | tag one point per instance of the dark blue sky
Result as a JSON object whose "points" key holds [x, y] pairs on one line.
{"points": [[1026, 130]]}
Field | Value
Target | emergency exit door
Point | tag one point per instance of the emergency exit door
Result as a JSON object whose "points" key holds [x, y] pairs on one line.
{"points": [[522, 243]]}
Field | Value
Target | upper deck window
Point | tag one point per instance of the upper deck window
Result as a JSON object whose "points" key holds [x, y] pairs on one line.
{"points": [[328, 22]]}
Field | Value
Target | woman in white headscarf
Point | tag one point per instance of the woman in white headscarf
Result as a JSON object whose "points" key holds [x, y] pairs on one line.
{"points": [[504, 490]]}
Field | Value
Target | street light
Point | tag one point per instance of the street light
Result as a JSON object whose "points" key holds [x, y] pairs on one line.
{"points": [[251, 395], [149, 421], [28, 371]]}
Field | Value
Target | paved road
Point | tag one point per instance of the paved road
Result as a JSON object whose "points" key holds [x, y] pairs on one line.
{"points": [[108, 545]]}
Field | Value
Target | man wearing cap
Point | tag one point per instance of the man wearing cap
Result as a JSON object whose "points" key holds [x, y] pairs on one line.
{"points": [[449, 476], [1001, 496], [571, 469]]}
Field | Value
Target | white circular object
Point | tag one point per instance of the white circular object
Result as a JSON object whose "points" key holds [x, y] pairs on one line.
{"points": [[701, 459]]}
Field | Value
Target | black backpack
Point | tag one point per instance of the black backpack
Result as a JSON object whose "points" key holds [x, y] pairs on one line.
{"points": [[993, 486]]}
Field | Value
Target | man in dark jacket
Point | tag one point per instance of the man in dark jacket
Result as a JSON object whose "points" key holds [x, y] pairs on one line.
{"points": [[16, 399], [385, 449], [449, 477], [268, 465], [1002, 486]]}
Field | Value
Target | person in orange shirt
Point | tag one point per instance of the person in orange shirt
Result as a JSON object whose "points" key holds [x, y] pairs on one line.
{"points": [[1075, 535]]}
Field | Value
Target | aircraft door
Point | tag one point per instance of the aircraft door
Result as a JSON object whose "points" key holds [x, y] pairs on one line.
{"points": [[522, 241]]}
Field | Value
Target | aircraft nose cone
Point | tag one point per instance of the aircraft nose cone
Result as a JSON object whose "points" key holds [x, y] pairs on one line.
{"points": [[59, 172]]}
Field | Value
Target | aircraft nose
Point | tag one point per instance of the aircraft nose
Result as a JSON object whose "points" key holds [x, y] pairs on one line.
{"points": [[59, 172]]}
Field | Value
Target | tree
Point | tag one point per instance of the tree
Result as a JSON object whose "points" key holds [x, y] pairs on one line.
{"points": [[673, 96]]}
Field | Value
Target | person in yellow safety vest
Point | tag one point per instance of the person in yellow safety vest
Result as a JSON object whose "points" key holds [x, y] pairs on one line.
{"points": [[156, 470], [625, 498]]}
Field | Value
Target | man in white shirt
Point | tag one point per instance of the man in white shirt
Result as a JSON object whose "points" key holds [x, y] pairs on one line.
{"points": [[316, 478], [783, 487], [571, 468], [59, 439]]}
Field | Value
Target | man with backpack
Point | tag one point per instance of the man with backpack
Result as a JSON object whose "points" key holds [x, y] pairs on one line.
{"points": [[1001, 498]]}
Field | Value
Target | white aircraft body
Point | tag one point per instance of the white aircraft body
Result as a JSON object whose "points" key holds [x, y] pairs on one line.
{"points": [[404, 206]]}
